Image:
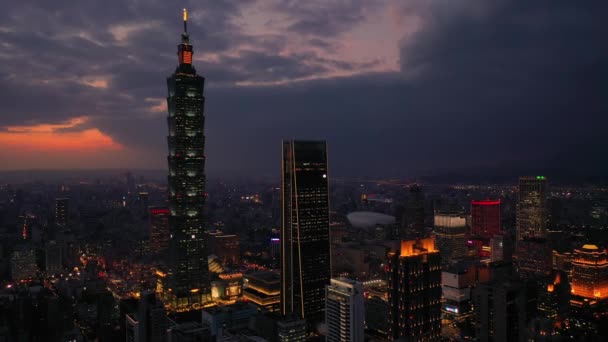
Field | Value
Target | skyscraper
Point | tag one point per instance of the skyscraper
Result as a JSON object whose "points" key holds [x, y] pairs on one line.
{"points": [[590, 272], [305, 248], [485, 218], [23, 263], [414, 291], [159, 229], [344, 311], [187, 281], [61, 211], [531, 208], [450, 230], [412, 223]]}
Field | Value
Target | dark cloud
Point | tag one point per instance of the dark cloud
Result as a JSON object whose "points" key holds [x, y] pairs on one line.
{"points": [[481, 82]]}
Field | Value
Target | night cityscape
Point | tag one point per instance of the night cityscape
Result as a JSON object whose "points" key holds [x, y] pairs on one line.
{"points": [[282, 171]]}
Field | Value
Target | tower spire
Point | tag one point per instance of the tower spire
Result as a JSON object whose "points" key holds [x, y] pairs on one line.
{"points": [[185, 20]]}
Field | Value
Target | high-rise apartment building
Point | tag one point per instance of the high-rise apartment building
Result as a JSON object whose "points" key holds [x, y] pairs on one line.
{"points": [[450, 230], [187, 280], [414, 291], [590, 272], [61, 211], [344, 311], [531, 220], [305, 247]]}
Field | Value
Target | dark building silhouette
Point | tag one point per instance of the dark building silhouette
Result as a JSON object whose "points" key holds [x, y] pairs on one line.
{"points": [[500, 311], [412, 222], [531, 218], [159, 229], [414, 291], [61, 211], [187, 280], [305, 247]]}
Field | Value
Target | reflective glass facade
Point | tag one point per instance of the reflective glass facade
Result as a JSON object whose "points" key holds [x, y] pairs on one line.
{"points": [[305, 248]]}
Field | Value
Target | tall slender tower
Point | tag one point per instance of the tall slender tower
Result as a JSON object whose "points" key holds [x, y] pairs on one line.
{"points": [[305, 254], [186, 284]]}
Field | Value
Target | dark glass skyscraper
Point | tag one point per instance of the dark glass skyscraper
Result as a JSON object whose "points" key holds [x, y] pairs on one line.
{"points": [[305, 264], [186, 284]]}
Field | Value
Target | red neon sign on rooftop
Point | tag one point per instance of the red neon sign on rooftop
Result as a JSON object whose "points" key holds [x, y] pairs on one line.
{"points": [[485, 202]]}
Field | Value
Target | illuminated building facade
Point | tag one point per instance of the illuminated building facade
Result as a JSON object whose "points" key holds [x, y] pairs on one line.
{"points": [[159, 229], [485, 218], [450, 230], [531, 220], [590, 272], [263, 289], [61, 211], [456, 284], [414, 291], [344, 311], [187, 281], [291, 329], [23, 263], [305, 245]]}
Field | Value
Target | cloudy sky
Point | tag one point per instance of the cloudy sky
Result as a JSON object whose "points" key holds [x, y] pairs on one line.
{"points": [[396, 87]]}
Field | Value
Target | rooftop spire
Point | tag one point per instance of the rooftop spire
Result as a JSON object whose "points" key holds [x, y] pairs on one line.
{"points": [[185, 20]]}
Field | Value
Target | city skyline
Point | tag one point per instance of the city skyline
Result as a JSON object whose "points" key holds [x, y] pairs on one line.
{"points": [[99, 76]]}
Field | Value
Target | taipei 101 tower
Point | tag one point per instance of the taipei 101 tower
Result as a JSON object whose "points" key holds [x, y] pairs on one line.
{"points": [[185, 286]]}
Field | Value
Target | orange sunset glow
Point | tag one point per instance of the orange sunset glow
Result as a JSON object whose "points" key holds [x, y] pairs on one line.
{"points": [[64, 136]]}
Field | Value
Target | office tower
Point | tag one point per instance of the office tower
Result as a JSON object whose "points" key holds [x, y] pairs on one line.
{"points": [[187, 281], [344, 311], [376, 315], [554, 296], [263, 289], [500, 311], [61, 211], [590, 272], [501, 248], [485, 218], [414, 291], [291, 329], [53, 257], [531, 218], [143, 199], [412, 223], [456, 284], [23, 263], [227, 249], [533, 258], [450, 230], [305, 251], [159, 229]]}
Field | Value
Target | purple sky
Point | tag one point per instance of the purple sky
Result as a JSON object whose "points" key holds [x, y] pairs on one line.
{"points": [[396, 87]]}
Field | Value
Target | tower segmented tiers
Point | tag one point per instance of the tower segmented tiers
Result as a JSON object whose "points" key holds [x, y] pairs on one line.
{"points": [[186, 284]]}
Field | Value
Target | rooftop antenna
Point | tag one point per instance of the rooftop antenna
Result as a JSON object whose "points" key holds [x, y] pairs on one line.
{"points": [[185, 21]]}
